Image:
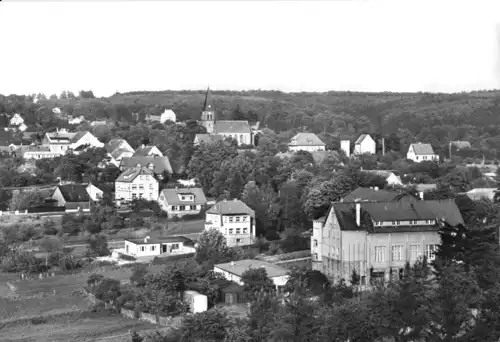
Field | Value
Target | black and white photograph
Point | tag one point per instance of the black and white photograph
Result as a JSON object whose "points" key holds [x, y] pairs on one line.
{"points": [[250, 171]]}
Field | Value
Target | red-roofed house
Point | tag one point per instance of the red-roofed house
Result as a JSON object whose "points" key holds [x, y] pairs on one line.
{"points": [[234, 219]]}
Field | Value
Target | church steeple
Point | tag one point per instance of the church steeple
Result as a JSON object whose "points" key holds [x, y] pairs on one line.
{"points": [[208, 113]]}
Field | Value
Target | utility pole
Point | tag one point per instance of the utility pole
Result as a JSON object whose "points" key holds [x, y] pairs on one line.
{"points": [[383, 146], [449, 150]]}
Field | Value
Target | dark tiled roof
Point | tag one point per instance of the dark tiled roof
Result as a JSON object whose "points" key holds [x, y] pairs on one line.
{"points": [[236, 126], [168, 239], [74, 192], [445, 210], [172, 196], [208, 138], [306, 139], [231, 207], [129, 175], [367, 194], [160, 164]]}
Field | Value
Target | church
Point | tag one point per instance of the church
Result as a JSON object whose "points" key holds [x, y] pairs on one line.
{"points": [[239, 130]]}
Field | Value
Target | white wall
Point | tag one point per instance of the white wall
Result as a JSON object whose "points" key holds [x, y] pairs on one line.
{"points": [[196, 301], [278, 281], [306, 148]]}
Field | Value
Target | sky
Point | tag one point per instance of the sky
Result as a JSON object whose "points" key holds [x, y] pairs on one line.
{"points": [[357, 45]]}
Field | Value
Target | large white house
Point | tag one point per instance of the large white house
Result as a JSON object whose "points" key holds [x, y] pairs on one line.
{"points": [[62, 141], [117, 150], [234, 270], [173, 245], [168, 115], [183, 201], [234, 219], [16, 120], [421, 152], [136, 183], [365, 145], [306, 142]]}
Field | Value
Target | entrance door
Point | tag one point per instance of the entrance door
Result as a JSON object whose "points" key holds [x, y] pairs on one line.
{"points": [[164, 248]]}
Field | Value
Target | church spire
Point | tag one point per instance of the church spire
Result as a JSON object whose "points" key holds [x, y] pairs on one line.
{"points": [[209, 102]]}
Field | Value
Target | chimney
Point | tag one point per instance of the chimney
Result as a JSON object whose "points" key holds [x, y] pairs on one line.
{"points": [[421, 195], [358, 214], [146, 239]]}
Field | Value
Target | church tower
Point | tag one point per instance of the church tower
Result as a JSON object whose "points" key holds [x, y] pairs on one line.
{"points": [[208, 113]]}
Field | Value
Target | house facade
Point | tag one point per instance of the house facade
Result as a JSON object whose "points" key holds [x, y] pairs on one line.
{"points": [[168, 115], [365, 145], [234, 270], [182, 201], [94, 192], [136, 183], [234, 219], [16, 120], [118, 149], [160, 246], [74, 197], [377, 238], [306, 142], [238, 130], [421, 152], [390, 177], [62, 141], [37, 152], [158, 164]]}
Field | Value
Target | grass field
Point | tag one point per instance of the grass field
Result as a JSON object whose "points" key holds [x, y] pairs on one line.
{"points": [[75, 327]]}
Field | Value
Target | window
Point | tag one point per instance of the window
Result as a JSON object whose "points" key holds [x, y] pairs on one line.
{"points": [[134, 196], [245, 230], [243, 219], [151, 186], [315, 256], [238, 240], [173, 207], [140, 195], [143, 248], [315, 243], [414, 252], [192, 207], [230, 230], [430, 252], [237, 219], [153, 248], [238, 231], [182, 207], [141, 186], [230, 219], [134, 186], [397, 253], [183, 198], [396, 223], [174, 246], [379, 254]]}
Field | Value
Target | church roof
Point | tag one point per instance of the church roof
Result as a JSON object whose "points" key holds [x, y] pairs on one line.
{"points": [[209, 102], [229, 126]]}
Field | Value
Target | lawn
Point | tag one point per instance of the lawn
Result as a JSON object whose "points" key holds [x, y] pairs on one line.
{"points": [[75, 327]]}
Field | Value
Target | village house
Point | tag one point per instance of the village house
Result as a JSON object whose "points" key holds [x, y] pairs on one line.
{"points": [[16, 120], [94, 192], [98, 123], [147, 151], [377, 238], [136, 183], [306, 142], [482, 193], [159, 165], [118, 149], [234, 270], [389, 176], [74, 197], [234, 219], [75, 120], [420, 152], [168, 115], [36, 152], [239, 130], [207, 139], [62, 141], [163, 246], [365, 145], [182, 201]]}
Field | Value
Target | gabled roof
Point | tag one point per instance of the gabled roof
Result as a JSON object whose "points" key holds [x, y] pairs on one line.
{"points": [[422, 149], [160, 164], [118, 152], [208, 105], [113, 144], [232, 126], [74, 192], [231, 207], [367, 194], [78, 135], [361, 138], [306, 139], [143, 151], [208, 138], [172, 196], [129, 175]]}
